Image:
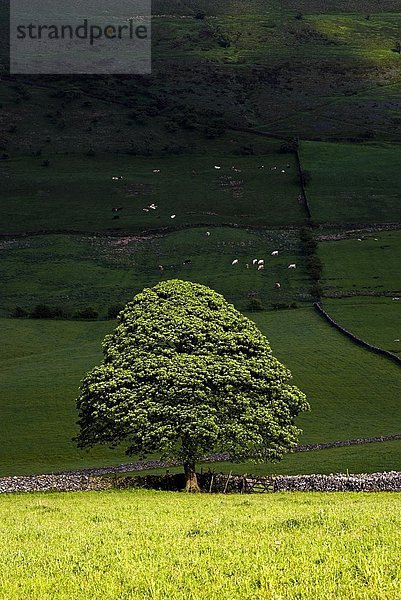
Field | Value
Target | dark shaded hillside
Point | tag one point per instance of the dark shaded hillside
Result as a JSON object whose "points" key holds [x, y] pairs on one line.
{"points": [[289, 68], [218, 7]]}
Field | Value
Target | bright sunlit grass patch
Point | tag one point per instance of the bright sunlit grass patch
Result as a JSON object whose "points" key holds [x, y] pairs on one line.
{"points": [[152, 545]]}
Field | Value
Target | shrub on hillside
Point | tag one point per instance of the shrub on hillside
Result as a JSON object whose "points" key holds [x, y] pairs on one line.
{"points": [[19, 313], [113, 310], [88, 313], [316, 291], [255, 304], [308, 241], [43, 311], [314, 266]]}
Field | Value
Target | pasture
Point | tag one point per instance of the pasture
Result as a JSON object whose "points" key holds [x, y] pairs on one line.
{"points": [[375, 320], [74, 272], [352, 393], [153, 545], [353, 184], [76, 193], [367, 266]]}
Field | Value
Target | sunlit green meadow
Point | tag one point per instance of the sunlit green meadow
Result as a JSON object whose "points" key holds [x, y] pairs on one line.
{"points": [[155, 545]]}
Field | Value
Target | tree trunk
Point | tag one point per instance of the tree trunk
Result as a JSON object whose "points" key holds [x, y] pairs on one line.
{"points": [[191, 481]]}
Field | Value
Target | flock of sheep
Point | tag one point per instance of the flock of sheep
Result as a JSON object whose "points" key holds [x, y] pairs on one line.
{"points": [[258, 263], [153, 206]]}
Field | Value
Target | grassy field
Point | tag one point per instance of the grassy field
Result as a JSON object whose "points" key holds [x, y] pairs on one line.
{"points": [[99, 271], [352, 393], [375, 320], [154, 545], [41, 367], [79, 193], [353, 183], [369, 265]]}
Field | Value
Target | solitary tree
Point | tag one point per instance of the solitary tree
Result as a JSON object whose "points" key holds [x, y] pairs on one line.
{"points": [[184, 375]]}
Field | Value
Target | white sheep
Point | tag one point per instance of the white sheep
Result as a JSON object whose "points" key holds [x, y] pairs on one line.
{"points": [[260, 267], [275, 253], [261, 262], [235, 262], [292, 266]]}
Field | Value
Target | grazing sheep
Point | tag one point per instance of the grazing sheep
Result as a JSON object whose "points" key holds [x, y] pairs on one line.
{"points": [[292, 266], [395, 298], [235, 262], [278, 285], [173, 216], [156, 170], [260, 267], [255, 260], [217, 167], [261, 262], [145, 209], [275, 253], [207, 233]]}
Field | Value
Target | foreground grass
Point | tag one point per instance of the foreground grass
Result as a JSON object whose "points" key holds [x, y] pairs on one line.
{"points": [[153, 545]]}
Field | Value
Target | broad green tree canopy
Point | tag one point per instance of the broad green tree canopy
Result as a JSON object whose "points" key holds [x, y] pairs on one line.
{"points": [[184, 375]]}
